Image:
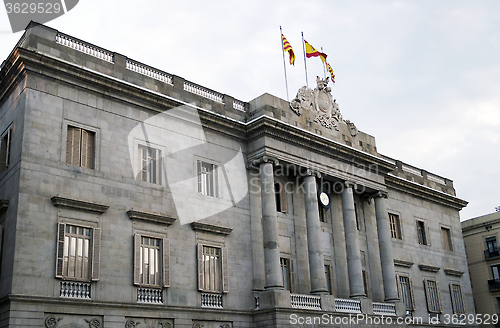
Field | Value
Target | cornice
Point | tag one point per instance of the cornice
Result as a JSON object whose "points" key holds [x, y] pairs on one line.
{"points": [[453, 272], [211, 228], [403, 263], [79, 204], [266, 126], [428, 267], [112, 87], [421, 191], [151, 216]]}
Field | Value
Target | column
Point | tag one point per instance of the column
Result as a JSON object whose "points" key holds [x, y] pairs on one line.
{"points": [[385, 247], [314, 240], [274, 278], [352, 244]]}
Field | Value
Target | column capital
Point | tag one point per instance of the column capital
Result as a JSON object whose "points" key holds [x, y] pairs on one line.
{"points": [[312, 172], [264, 159], [350, 184], [380, 194]]}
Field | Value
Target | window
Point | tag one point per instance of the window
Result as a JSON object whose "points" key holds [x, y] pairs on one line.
{"points": [[491, 247], [151, 261], [365, 283], [405, 291], [422, 233], [322, 214], [150, 164], [207, 179], [446, 235], [395, 224], [431, 288], [457, 300], [288, 274], [78, 252], [280, 193], [356, 215], [329, 278], [80, 147], [5, 149], [495, 271], [212, 269]]}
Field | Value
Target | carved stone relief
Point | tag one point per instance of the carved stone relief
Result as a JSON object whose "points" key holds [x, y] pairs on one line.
{"points": [[149, 323]]}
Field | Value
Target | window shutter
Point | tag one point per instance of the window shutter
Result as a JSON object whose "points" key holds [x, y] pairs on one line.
{"points": [[60, 249], [166, 262], [137, 259], [427, 296], [216, 181], [200, 266], [198, 163], [398, 284], [96, 251], [7, 153], [87, 152], [330, 276], [283, 198], [438, 295], [292, 277], [225, 273], [411, 294], [158, 167], [427, 235], [73, 146]]}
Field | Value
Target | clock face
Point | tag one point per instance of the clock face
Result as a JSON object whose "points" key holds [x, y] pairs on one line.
{"points": [[324, 199]]}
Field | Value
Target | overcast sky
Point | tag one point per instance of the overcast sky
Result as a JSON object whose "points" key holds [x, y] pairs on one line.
{"points": [[423, 77]]}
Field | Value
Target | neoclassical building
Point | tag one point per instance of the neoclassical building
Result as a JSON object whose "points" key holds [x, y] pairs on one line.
{"points": [[131, 197]]}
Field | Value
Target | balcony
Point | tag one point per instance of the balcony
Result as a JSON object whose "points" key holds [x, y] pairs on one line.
{"points": [[491, 255], [494, 285]]}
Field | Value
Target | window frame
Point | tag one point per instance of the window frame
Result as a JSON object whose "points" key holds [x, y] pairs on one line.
{"points": [[280, 197], [215, 177], [395, 227], [329, 278], [6, 159], [433, 305], [94, 252], [164, 256], [447, 246], [425, 231], [288, 270], [457, 309], [411, 297], [159, 163], [222, 266], [64, 143]]}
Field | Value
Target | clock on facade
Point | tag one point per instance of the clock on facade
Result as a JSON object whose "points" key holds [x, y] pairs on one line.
{"points": [[324, 199]]}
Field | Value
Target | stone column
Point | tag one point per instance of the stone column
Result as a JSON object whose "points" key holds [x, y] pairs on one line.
{"points": [[352, 244], [314, 240], [274, 278], [385, 247]]}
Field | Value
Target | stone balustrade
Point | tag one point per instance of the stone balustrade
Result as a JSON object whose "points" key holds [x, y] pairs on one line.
{"points": [[384, 308], [203, 92], [84, 47], [149, 295], [347, 305], [211, 300], [148, 71], [300, 301], [74, 289]]}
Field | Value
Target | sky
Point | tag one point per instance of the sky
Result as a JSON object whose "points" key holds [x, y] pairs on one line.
{"points": [[422, 77]]}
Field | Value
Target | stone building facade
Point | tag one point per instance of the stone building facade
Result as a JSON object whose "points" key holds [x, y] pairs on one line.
{"points": [[131, 197], [481, 236]]}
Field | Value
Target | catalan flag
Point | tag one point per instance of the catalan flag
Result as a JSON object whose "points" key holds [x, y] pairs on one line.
{"points": [[330, 70], [288, 48], [311, 52]]}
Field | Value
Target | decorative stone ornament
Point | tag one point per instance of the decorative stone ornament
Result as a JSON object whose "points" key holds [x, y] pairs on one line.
{"points": [[51, 321]]}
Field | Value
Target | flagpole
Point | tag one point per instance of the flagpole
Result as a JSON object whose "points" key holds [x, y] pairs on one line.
{"points": [[304, 51], [324, 65], [284, 64]]}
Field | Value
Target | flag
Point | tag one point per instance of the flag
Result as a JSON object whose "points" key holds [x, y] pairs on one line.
{"points": [[330, 70], [287, 47], [311, 52]]}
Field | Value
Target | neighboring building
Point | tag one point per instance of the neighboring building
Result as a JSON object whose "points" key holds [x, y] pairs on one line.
{"points": [[481, 238], [131, 197]]}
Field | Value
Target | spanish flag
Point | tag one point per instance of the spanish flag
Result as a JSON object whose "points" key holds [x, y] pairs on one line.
{"points": [[287, 47], [330, 70], [311, 52]]}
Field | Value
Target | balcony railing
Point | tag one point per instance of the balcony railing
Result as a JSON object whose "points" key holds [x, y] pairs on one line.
{"points": [[491, 254], [384, 308], [310, 302], [211, 300], [73, 289], [347, 306], [149, 295], [494, 285]]}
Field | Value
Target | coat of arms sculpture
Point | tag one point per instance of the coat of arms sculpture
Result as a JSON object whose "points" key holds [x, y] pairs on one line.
{"points": [[320, 101]]}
